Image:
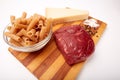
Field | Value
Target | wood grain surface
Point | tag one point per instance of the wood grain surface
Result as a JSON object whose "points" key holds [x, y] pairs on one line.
{"points": [[48, 63]]}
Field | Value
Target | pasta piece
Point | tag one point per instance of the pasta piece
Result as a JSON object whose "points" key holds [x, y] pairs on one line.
{"points": [[13, 36], [20, 26], [13, 30], [23, 21], [24, 14], [22, 32], [35, 38], [48, 25], [33, 23], [22, 43], [12, 19], [15, 43], [17, 21], [37, 34], [31, 35], [25, 38], [42, 33], [43, 18], [40, 23], [31, 32]]}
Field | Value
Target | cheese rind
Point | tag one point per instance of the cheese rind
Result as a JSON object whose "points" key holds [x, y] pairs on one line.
{"points": [[60, 15]]}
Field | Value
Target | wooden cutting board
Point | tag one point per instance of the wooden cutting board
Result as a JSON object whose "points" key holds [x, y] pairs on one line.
{"points": [[48, 63]]}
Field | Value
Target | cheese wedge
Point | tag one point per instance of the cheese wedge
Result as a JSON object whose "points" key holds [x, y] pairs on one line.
{"points": [[60, 15]]}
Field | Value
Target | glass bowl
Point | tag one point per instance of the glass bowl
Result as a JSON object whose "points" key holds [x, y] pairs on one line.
{"points": [[31, 48]]}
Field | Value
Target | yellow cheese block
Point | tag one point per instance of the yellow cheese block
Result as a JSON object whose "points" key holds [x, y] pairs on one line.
{"points": [[60, 15]]}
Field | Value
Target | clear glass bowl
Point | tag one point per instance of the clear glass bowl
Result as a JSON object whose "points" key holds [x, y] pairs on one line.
{"points": [[31, 48]]}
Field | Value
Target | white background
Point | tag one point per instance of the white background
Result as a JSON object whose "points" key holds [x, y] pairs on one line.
{"points": [[104, 64]]}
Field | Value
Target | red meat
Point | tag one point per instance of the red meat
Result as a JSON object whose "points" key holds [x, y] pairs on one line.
{"points": [[75, 43]]}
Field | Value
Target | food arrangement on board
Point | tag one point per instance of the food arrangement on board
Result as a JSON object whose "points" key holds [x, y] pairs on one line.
{"points": [[67, 37]]}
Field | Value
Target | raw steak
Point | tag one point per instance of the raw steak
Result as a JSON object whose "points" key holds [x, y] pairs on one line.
{"points": [[75, 43]]}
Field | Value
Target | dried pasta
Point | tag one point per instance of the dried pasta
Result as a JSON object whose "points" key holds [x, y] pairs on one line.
{"points": [[25, 31], [12, 19], [32, 23], [20, 26], [13, 36], [22, 32], [13, 30], [24, 14], [14, 42], [31, 32]]}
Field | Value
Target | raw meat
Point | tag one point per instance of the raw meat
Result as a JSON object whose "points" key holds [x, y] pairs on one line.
{"points": [[75, 43]]}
